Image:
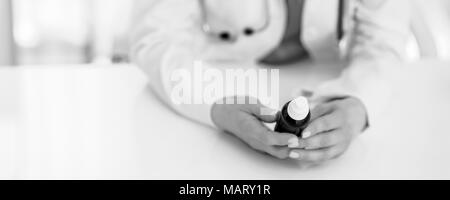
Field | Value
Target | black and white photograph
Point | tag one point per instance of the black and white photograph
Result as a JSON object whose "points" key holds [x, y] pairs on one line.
{"points": [[224, 90]]}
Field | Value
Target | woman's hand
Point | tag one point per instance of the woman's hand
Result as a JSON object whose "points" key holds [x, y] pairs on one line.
{"points": [[332, 127], [245, 121]]}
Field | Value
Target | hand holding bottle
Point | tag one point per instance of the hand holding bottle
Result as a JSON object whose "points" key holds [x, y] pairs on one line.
{"points": [[333, 126], [246, 122]]}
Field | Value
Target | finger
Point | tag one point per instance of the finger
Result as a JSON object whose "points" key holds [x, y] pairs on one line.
{"points": [[264, 135], [325, 99], [320, 110], [269, 118], [324, 140], [278, 152], [320, 155], [271, 138], [264, 113], [322, 124]]}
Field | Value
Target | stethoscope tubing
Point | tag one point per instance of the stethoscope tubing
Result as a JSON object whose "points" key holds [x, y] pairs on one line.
{"points": [[206, 28]]}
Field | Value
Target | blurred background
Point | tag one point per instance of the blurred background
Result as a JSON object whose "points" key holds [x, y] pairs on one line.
{"points": [[35, 32], [70, 31]]}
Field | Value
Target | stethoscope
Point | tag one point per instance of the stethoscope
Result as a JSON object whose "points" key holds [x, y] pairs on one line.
{"points": [[230, 37]]}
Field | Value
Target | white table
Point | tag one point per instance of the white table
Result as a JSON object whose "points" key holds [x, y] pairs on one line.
{"points": [[103, 122]]}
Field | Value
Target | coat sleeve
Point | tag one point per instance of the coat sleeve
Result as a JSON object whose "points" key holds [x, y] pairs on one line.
{"points": [[375, 51], [165, 42]]}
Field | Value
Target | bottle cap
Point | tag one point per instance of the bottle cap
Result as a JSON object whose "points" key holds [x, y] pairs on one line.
{"points": [[298, 109]]}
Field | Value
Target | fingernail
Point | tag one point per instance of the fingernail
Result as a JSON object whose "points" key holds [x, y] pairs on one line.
{"points": [[268, 111], [294, 155], [293, 142], [306, 134]]}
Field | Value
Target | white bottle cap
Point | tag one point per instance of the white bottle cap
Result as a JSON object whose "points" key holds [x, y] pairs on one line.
{"points": [[298, 109]]}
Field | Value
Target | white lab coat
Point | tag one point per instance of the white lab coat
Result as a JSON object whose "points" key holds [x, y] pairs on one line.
{"points": [[167, 36]]}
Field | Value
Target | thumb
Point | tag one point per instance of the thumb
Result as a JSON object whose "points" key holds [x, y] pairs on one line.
{"points": [[264, 113], [315, 100]]}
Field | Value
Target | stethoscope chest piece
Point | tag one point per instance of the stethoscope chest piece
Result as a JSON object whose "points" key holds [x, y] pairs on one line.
{"points": [[231, 36]]}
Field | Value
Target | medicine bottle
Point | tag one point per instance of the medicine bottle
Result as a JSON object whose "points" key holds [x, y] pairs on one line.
{"points": [[294, 118]]}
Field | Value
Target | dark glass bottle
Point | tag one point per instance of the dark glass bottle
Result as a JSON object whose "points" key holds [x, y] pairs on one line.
{"points": [[294, 118]]}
